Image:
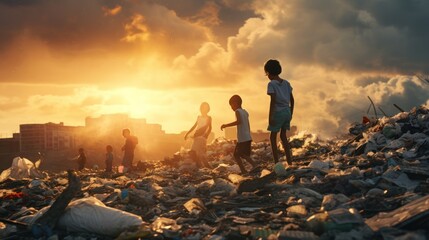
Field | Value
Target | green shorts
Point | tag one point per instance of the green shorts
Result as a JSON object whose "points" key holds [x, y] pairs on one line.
{"points": [[281, 120]]}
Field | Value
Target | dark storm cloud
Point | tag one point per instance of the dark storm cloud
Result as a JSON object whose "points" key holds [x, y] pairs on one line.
{"points": [[83, 24], [66, 24], [18, 2], [375, 35], [367, 80]]}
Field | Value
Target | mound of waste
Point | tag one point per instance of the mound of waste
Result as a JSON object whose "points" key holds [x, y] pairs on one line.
{"points": [[372, 183]]}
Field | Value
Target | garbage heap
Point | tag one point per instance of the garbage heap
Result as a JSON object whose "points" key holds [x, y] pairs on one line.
{"points": [[371, 183]]}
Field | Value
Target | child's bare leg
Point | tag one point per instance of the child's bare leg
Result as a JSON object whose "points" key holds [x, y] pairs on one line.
{"points": [[273, 140], [249, 160], [194, 157], [240, 164], [286, 146], [205, 162]]}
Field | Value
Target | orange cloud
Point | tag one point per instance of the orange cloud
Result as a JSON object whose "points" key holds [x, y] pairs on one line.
{"points": [[136, 29], [208, 15], [111, 11]]}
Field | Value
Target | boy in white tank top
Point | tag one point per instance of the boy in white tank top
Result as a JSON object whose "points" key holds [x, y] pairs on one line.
{"points": [[244, 139]]}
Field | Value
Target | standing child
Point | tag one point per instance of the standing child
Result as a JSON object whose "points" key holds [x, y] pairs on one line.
{"points": [[203, 127], [244, 139], [130, 145], [281, 108], [109, 158], [81, 159]]}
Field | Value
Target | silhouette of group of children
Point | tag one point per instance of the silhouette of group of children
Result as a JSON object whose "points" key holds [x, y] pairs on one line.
{"points": [[128, 149], [280, 115]]}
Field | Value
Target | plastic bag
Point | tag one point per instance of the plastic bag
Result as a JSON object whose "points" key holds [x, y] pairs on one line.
{"points": [[21, 168], [91, 215]]}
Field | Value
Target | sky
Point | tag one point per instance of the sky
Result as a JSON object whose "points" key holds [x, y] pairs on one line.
{"points": [[61, 61]]}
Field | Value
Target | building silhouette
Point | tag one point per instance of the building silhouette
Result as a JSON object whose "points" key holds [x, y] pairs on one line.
{"points": [[9, 147], [48, 136], [57, 143]]}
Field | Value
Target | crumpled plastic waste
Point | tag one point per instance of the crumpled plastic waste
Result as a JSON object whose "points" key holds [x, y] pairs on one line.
{"points": [[367, 184], [22, 168]]}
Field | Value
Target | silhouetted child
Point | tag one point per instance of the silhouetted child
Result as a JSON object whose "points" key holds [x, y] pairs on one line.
{"points": [[81, 159], [281, 108], [203, 128], [128, 149], [244, 139], [109, 158]]}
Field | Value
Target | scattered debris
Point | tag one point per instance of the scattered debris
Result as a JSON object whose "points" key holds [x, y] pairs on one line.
{"points": [[371, 183]]}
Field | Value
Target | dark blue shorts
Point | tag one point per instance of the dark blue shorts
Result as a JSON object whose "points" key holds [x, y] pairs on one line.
{"points": [[281, 120]]}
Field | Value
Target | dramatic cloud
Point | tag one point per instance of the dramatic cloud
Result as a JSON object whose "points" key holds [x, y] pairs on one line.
{"points": [[68, 59]]}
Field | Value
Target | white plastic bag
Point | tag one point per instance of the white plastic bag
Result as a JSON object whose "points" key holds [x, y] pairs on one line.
{"points": [[91, 215], [21, 168]]}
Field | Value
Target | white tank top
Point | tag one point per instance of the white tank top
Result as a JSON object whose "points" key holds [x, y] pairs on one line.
{"points": [[243, 129]]}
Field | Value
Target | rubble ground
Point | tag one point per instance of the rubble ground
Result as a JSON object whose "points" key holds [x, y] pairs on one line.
{"points": [[372, 183]]}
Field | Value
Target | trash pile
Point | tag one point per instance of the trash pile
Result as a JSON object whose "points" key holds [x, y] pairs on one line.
{"points": [[370, 184]]}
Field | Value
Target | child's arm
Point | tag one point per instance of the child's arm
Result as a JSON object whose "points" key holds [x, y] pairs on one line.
{"points": [[271, 113], [209, 128], [190, 130], [235, 123], [74, 158], [292, 104]]}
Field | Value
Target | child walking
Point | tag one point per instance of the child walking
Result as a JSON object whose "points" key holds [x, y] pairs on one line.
{"points": [[203, 128], [244, 139], [281, 108], [109, 158]]}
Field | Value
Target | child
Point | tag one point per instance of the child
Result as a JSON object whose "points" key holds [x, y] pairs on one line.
{"points": [[128, 149], [281, 108], [244, 140], [81, 159], [109, 158], [203, 127]]}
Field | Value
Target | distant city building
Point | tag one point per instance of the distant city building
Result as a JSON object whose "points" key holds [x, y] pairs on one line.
{"points": [[154, 143], [47, 136], [8, 145], [9, 149], [57, 144], [114, 123]]}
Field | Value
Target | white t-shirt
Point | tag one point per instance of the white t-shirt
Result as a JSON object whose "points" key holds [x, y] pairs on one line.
{"points": [[282, 90], [243, 129]]}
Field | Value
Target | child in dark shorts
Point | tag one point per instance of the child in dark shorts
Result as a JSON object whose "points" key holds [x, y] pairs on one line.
{"points": [[244, 139]]}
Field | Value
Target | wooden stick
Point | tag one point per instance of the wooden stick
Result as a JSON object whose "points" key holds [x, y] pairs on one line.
{"points": [[383, 112], [369, 108], [400, 109], [50, 218], [13, 222], [373, 106]]}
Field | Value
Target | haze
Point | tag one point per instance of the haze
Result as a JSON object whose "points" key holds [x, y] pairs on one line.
{"points": [[61, 61]]}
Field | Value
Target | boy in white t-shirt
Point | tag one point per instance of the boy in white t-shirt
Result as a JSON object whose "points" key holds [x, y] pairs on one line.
{"points": [[281, 108], [244, 139]]}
